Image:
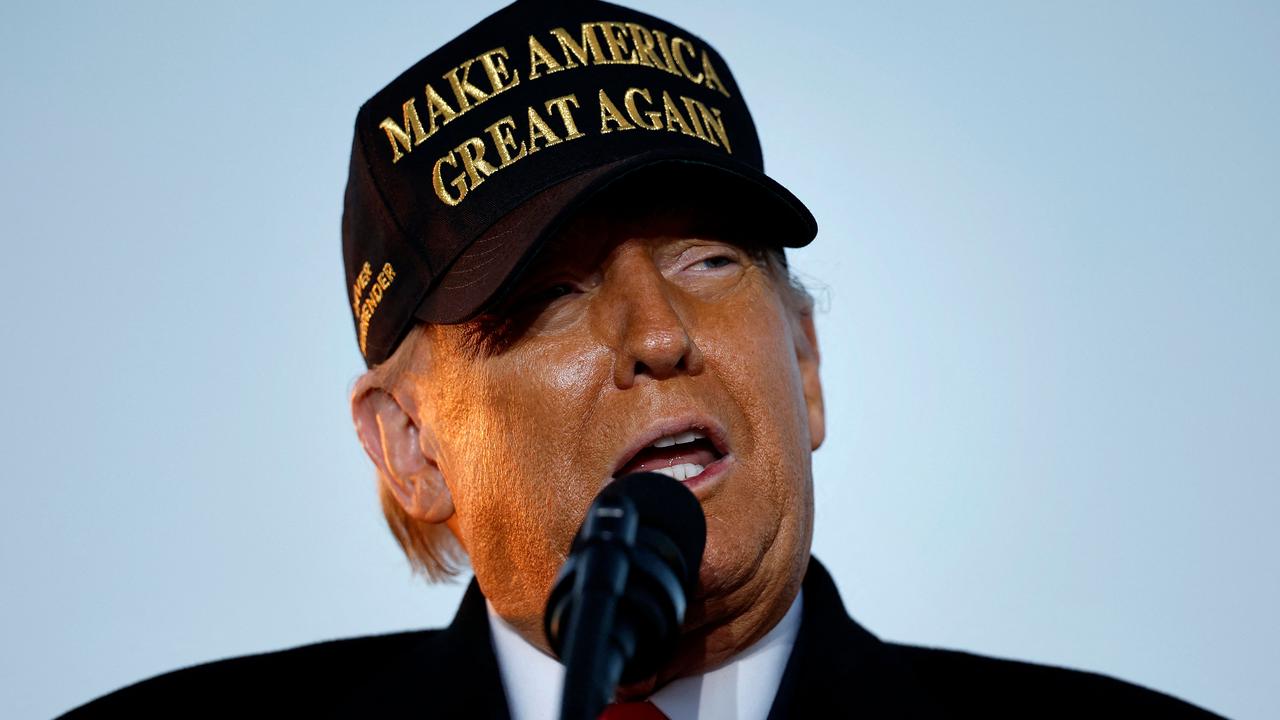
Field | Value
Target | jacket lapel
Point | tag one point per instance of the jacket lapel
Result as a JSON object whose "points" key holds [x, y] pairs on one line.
{"points": [[466, 665], [838, 667], [449, 673]]}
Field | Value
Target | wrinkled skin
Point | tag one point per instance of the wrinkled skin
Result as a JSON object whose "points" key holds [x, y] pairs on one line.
{"points": [[521, 416]]}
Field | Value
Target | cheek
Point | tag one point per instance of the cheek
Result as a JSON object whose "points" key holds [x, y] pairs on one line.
{"points": [[511, 416], [750, 350], [542, 397], [763, 519], [566, 372], [518, 423], [753, 352]]}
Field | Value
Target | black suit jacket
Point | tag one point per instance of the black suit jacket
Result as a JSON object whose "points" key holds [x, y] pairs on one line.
{"points": [[837, 669]]}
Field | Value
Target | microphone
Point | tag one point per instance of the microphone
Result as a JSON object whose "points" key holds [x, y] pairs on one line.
{"points": [[615, 611]]}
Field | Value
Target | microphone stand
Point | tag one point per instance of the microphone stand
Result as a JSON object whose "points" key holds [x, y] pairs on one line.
{"points": [[615, 612]]}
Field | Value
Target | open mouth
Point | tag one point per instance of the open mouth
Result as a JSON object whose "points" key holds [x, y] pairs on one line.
{"points": [[682, 456]]}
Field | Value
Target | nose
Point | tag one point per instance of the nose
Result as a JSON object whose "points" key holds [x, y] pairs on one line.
{"points": [[649, 336]]}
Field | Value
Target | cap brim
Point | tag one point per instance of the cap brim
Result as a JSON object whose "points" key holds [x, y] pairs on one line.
{"points": [[482, 270]]}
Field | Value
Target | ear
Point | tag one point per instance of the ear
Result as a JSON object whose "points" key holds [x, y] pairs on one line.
{"points": [[807, 357], [405, 462]]}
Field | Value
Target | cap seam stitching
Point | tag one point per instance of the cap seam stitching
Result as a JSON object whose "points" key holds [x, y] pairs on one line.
{"points": [[382, 200], [404, 241]]}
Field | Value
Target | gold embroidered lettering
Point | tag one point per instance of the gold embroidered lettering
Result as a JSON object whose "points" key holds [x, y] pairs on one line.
{"points": [[642, 40], [357, 288], [366, 310], [667, 63], [505, 141], [561, 104], [711, 118], [438, 183], [652, 116], [539, 55], [673, 114], [587, 52], [495, 68], [365, 317], [711, 79], [676, 44], [472, 153], [540, 130], [610, 113], [692, 112], [399, 136], [622, 43], [437, 107], [615, 39], [463, 91]]}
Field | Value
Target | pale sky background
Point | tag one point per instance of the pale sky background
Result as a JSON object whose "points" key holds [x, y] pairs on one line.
{"points": [[1050, 241]]}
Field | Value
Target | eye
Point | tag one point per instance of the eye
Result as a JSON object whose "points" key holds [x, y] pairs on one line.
{"points": [[711, 259], [717, 261], [548, 294], [555, 291]]}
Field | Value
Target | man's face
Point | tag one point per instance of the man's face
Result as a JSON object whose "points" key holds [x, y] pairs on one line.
{"points": [[623, 333]]}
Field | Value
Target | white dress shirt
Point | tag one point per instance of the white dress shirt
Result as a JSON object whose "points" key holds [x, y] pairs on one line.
{"points": [[741, 689]]}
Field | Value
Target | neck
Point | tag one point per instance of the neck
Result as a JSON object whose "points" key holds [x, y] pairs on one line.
{"points": [[741, 685], [706, 645]]}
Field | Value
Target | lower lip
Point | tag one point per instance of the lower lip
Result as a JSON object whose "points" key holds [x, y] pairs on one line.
{"points": [[709, 474]]}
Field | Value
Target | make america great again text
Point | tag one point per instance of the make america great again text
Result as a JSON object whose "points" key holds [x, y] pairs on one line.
{"points": [[511, 139]]}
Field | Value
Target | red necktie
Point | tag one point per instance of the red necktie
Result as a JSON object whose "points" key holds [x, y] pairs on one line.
{"points": [[632, 711]]}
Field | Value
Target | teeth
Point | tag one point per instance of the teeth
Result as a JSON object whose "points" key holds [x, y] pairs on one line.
{"points": [[680, 472], [678, 439]]}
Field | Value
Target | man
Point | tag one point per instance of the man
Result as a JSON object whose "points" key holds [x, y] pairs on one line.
{"points": [[565, 264]]}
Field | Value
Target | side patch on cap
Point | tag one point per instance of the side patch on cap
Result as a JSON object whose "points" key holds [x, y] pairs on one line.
{"points": [[377, 288]]}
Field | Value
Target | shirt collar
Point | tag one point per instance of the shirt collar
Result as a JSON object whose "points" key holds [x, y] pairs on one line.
{"points": [[741, 689]]}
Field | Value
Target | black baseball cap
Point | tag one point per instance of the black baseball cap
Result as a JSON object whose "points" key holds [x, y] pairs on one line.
{"points": [[467, 161]]}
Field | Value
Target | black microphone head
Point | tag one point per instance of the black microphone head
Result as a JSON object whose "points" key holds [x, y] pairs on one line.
{"points": [[641, 545], [668, 507]]}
